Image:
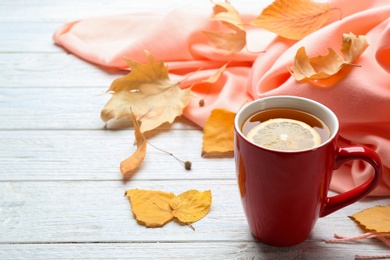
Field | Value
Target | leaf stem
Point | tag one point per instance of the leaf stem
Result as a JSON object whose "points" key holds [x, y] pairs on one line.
{"points": [[352, 64]]}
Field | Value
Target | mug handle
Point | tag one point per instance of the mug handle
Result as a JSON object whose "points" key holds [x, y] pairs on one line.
{"points": [[343, 155]]}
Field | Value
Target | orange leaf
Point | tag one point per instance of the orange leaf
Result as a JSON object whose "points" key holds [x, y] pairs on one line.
{"points": [[128, 165], [191, 205], [151, 208], [322, 67], [375, 219], [149, 92], [293, 19], [219, 134], [229, 42]]}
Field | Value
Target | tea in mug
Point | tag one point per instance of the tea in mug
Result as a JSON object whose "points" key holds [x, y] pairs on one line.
{"points": [[285, 129]]}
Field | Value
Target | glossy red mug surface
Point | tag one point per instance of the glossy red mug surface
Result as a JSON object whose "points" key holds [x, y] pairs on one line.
{"points": [[283, 193]]}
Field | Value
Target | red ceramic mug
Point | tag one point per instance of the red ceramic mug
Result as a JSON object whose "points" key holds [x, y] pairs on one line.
{"points": [[284, 192]]}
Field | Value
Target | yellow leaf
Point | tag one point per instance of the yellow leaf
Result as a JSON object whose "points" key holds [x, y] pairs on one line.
{"points": [[149, 93], [218, 134], [322, 67], [128, 165], [156, 208], [293, 19], [191, 205], [229, 42], [375, 219], [151, 208]]}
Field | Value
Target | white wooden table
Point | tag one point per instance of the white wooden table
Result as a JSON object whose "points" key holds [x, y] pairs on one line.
{"points": [[61, 192]]}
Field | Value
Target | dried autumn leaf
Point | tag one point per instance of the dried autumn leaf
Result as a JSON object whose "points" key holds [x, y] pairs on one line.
{"points": [[218, 134], [322, 67], [229, 42], [191, 206], [293, 19], [319, 67], [128, 165], [375, 219], [150, 94], [353, 46], [151, 208]]}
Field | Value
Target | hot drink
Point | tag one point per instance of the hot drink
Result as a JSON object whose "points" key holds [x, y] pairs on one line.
{"points": [[286, 124]]}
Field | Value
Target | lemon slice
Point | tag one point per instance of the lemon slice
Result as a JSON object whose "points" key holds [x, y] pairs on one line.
{"points": [[284, 134]]}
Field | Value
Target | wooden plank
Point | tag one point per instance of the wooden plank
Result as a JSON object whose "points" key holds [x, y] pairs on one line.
{"points": [[53, 70], [62, 108], [52, 108], [95, 155], [23, 37], [90, 211], [179, 250]]}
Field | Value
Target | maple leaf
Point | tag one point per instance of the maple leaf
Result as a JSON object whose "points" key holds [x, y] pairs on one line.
{"points": [[293, 19], [151, 208], [218, 134], [322, 67], [229, 42], [191, 206], [128, 165], [375, 219], [156, 208], [148, 92]]}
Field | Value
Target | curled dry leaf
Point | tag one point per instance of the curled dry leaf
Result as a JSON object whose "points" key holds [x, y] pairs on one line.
{"points": [[319, 67], [375, 219], [129, 165], [156, 208], [229, 42], [322, 67], [293, 19], [353, 46], [218, 134], [149, 92]]}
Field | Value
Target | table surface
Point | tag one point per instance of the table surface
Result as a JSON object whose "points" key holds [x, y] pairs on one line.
{"points": [[61, 192]]}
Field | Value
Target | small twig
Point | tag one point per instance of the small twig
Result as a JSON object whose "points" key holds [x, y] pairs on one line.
{"points": [[187, 164]]}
